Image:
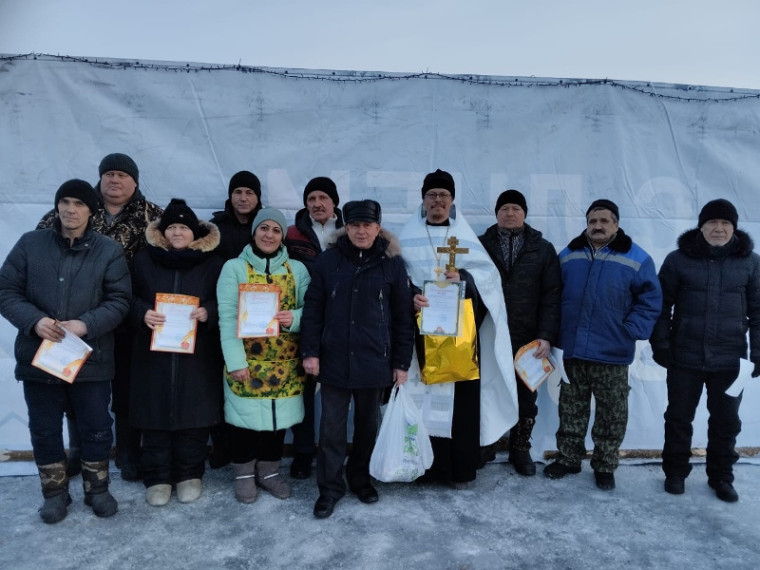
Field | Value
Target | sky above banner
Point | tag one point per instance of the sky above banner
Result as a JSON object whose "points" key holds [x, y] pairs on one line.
{"points": [[698, 42]]}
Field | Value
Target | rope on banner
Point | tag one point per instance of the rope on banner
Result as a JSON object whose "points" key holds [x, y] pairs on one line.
{"points": [[717, 94]]}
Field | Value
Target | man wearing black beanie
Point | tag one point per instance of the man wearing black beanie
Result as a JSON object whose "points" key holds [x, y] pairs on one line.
{"points": [[305, 240], [240, 209], [610, 299], [711, 298], [319, 218], [532, 286], [123, 214], [93, 300]]}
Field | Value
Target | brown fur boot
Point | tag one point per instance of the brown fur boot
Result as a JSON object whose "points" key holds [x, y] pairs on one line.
{"points": [[268, 477], [245, 481]]}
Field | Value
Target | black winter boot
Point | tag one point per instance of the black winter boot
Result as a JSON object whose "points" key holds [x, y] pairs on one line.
{"points": [[487, 454], [95, 483], [55, 490], [519, 447]]}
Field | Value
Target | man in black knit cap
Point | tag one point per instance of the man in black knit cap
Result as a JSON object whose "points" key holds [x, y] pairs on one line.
{"points": [[711, 298]]}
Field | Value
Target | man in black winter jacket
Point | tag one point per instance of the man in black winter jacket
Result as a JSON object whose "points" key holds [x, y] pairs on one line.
{"points": [[68, 279], [711, 298], [357, 335], [532, 285]]}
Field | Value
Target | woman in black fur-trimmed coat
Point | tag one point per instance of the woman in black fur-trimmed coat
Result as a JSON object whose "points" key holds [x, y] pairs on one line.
{"points": [[175, 397]]}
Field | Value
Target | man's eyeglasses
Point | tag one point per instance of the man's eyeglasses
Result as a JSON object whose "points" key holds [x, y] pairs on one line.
{"points": [[436, 195]]}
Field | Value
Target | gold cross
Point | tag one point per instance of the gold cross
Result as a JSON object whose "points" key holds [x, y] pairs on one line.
{"points": [[452, 250]]}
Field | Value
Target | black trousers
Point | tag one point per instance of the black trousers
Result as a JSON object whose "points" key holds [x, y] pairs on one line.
{"points": [[173, 456], [247, 444], [684, 392], [333, 438], [304, 440], [46, 404], [526, 401]]}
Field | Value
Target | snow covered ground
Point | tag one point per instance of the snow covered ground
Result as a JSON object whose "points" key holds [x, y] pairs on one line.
{"points": [[501, 521]]}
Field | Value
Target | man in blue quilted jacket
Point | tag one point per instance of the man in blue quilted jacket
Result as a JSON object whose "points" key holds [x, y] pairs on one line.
{"points": [[611, 298]]}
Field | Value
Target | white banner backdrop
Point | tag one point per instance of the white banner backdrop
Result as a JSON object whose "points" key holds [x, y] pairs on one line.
{"points": [[659, 151]]}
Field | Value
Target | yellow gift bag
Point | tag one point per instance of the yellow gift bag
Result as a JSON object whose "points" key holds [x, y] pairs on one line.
{"points": [[448, 358]]}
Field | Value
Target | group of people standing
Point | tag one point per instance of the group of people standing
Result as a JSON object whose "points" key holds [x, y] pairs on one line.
{"points": [[349, 293]]}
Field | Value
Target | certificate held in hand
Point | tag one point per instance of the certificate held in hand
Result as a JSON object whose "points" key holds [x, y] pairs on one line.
{"points": [[258, 303], [531, 370], [62, 359], [441, 316], [178, 332]]}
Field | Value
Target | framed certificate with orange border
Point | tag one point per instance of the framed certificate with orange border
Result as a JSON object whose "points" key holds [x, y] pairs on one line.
{"points": [[62, 359], [258, 303], [178, 332]]}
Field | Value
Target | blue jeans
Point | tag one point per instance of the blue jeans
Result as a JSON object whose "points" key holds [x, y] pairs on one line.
{"points": [[46, 405]]}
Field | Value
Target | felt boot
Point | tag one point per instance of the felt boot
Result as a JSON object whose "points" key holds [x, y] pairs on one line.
{"points": [[245, 481], [519, 447], [158, 495], [95, 483], [55, 490], [189, 490], [268, 478]]}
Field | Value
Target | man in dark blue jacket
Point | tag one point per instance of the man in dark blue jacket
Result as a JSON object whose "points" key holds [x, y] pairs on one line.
{"points": [[68, 277], [711, 292], [610, 299], [357, 334]]}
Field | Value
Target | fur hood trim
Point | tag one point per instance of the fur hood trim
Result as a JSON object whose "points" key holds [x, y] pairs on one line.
{"points": [[622, 243], [692, 244], [205, 243], [393, 249]]}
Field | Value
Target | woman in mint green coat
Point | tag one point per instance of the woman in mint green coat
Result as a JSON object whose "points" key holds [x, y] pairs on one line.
{"points": [[263, 377]]}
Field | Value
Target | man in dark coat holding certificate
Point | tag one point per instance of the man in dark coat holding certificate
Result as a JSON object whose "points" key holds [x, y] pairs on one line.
{"points": [[68, 277], [532, 285]]}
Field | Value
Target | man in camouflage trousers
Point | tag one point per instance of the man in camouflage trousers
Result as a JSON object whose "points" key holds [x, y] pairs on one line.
{"points": [[123, 214], [611, 297]]}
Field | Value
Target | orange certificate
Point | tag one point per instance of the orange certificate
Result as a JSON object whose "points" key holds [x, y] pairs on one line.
{"points": [[178, 332], [62, 359], [258, 303], [531, 370]]}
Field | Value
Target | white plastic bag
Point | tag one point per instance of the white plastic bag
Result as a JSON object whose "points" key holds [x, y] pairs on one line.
{"points": [[402, 450]]}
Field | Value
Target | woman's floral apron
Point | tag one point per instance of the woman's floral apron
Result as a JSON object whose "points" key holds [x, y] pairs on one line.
{"points": [[273, 362]]}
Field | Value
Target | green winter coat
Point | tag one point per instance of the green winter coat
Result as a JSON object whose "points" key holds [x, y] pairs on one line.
{"points": [[256, 413]]}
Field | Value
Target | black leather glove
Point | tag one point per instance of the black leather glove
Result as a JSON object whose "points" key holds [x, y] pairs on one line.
{"points": [[756, 371], [664, 358]]}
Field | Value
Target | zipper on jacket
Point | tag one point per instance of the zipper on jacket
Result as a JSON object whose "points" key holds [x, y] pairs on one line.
{"points": [[274, 415]]}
